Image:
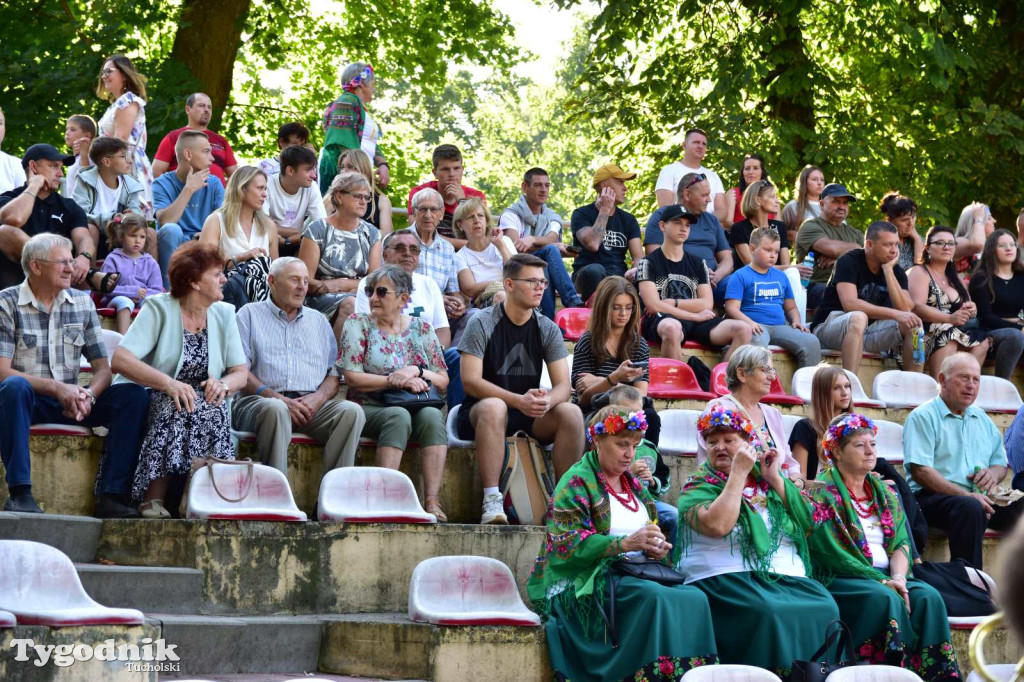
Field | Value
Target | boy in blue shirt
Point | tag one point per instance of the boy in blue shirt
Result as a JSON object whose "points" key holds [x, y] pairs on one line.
{"points": [[761, 296]]}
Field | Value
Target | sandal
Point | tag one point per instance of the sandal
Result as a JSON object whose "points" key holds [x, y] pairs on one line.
{"points": [[434, 507], [154, 509], [108, 280]]}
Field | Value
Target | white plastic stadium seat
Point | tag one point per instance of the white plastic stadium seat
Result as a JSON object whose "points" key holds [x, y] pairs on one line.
{"points": [[729, 673], [803, 377], [889, 441], [369, 495], [453, 437], [799, 293], [678, 432], [111, 340], [40, 586], [965, 622], [873, 673], [789, 421], [545, 378], [1000, 671], [466, 590], [997, 395], [7, 619], [904, 389], [269, 498]]}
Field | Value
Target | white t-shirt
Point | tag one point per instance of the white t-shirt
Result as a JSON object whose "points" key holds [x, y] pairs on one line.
{"points": [[707, 557], [876, 541], [486, 265], [789, 213], [292, 211], [270, 166], [106, 198], [510, 221], [425, 302], [12, 175], [626, 522], [671, 174], [371, 133], [72, 177]]}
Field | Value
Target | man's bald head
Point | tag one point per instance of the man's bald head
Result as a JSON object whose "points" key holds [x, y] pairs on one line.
{"points": [[959, 379]]}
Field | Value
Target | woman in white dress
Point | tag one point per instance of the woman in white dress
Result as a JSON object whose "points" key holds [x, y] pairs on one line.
{"points": [[125, 118], [480, 263]]}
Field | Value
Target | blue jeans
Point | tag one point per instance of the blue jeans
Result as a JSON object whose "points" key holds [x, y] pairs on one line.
{"points": [[668, 520], [560, 282], [168, 238], [122, 408], [456, 394]]}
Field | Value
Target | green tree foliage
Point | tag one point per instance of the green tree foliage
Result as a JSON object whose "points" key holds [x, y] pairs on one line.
{"points": [[923, 97]]}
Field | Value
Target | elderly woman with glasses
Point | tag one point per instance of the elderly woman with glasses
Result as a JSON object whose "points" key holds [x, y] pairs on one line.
{"points": [[388, 350], [340, 250], [749, 377], [943, 304]]}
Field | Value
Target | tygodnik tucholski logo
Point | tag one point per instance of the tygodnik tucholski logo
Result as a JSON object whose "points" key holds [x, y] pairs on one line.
{"points": [[152, 656]]}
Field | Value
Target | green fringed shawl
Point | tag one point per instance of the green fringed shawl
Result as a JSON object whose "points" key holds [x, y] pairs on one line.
{"points": [[343, 125], [572, 560], [838, 546], [757, 545]]}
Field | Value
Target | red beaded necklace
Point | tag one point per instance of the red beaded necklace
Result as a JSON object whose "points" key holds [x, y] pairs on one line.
{"points": [[862, 511], [627, 500]]}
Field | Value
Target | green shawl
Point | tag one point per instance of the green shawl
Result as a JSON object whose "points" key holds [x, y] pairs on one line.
{"points": [[572, 560], [757, 545], [838, 546], [343, 125]]}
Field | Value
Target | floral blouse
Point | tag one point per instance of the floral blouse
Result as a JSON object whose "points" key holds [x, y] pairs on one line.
{"points": [[365, 348]]}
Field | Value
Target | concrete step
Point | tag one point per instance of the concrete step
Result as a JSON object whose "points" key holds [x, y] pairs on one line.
{"points": [[72, 670], [150, 589], [392, 646], [246, 644], [257, 567], [76, 536]]}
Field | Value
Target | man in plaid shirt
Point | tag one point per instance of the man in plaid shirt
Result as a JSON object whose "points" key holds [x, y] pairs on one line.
{"points": [[45, 328]]}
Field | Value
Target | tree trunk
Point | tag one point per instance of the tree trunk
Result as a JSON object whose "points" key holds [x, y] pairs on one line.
{"points": [[207, 41]]}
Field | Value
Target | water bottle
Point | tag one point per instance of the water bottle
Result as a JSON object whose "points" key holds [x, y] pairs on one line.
{"points": [[808, 263], [918, 341]]}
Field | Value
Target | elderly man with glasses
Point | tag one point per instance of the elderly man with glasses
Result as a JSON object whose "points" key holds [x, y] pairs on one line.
{"points": [[45, 329]]}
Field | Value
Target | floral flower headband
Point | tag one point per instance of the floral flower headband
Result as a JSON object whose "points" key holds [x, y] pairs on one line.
{"points": [[617, 422], [363, 76], [718, 416], [842, 428]]}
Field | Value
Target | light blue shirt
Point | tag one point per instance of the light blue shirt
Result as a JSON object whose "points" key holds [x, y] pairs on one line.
{"points": [[166, 189], [954, 445], [1014, 442], [762, 297]]}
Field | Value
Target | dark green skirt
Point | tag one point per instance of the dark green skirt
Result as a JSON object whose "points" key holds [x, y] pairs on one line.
{"points": [[663, 632], [768, 624], [883, 631]]}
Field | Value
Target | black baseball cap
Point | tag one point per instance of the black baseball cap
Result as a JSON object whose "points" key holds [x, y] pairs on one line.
{"points": [[45, 152], [677, 211], [834, 189]]}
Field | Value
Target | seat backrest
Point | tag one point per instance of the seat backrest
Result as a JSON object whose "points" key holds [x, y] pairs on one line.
{"points": [[855, 387], [573, 321], [38, 577], [889, 440], [370, 489], [996, 394], [464, 584], [678, 432], [873, 673], [801, 385], [666, 372], [789, 422], [719, 383], [269, 489], [777, 388], [799, 293], [898, 389], [729, 673]]}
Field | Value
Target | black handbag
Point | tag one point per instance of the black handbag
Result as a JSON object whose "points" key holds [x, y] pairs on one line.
{"points": [[961, 596], [642, 567], [817, 669], [414, 402]]}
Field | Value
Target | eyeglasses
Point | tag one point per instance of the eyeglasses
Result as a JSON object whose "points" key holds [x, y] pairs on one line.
{"points": [[768, 369], [943, 244], [623, 309], [64, 262], [699, 177], [402, 248], [358, 197], [428, 209], [380, 291], [534, 283], [107, 72]]}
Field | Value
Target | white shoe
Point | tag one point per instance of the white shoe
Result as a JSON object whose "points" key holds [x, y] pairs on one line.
{"points": [[494, 509]]}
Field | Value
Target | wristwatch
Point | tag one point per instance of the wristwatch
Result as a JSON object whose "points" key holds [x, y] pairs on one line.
{"points": [[420, 368], [86, 254], [92, 396]]}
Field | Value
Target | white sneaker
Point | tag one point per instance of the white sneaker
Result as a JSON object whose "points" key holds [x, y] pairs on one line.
{"points": [[494, 509]]}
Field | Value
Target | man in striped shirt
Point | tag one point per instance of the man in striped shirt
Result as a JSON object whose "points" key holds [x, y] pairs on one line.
{"points": [[292, 382]]}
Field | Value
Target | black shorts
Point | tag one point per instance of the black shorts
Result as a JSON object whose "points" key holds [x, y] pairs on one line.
{"points": [[692, 331], [517, 421]]}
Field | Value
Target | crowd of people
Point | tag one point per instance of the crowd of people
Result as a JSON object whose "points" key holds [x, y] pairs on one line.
{"points": [[278, 298]]}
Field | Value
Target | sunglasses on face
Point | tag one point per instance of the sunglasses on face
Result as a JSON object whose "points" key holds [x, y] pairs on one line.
{"points": [[380, 291]]}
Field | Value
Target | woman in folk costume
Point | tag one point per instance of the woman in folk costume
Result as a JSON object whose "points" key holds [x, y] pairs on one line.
{"points": [[348, 125]]}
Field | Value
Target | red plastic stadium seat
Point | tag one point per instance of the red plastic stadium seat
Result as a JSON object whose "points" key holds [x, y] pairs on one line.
{"points": [[674, 380], [573, 321], [719, 384]]}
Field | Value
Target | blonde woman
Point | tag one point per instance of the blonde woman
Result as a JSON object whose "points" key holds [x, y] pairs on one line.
{"points": [[378, 209], [245, 235], [481, 262], [125, 118]]}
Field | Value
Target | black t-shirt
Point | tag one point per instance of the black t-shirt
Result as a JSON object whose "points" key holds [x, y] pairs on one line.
{"points": [[739, 233], [804, 434], [52, 214], [621, 228], [852, 268], [673, 279]]}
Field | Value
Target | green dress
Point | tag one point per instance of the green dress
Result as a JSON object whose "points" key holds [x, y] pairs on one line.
{"points": [[883, 631], [762, 618], [663, 631]]}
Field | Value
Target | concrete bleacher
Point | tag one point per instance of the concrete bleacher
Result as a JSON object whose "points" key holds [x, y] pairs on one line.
{"points": [[266, 597]]}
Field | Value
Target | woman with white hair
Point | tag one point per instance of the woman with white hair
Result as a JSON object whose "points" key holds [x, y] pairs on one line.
{"points": [[749, 377], [348, 125]]}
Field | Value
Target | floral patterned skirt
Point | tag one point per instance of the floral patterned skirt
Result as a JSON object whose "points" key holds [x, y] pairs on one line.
{"points": [[663, 632], [883, 632]]}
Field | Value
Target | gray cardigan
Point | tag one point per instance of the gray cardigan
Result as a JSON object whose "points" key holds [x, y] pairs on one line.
{"points": [[130, 198]]}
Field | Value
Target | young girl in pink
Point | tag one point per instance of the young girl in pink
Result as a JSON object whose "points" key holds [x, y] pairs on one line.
{"points": [[140, 273]]}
